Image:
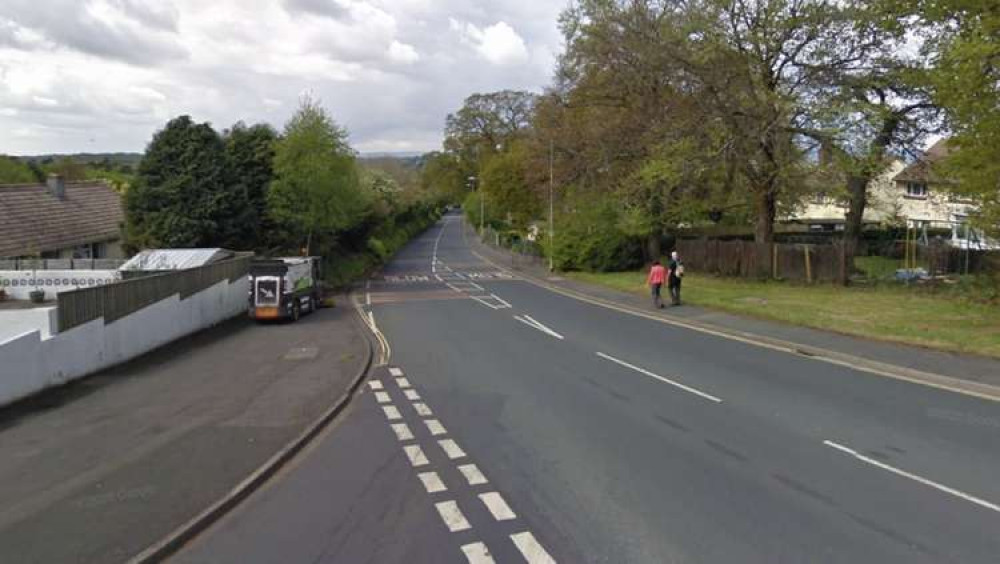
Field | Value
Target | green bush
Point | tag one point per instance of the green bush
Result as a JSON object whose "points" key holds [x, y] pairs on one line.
{"points": [[590, 239]]}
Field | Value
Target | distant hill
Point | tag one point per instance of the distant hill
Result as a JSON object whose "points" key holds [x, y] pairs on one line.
{"points": [[391, 155], [131, 159]]}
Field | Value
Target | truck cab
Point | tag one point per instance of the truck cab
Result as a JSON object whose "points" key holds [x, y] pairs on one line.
{"points": [[284, 288]]}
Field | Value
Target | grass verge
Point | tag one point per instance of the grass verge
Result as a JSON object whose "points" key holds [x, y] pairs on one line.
{"points": [[886, 312]]}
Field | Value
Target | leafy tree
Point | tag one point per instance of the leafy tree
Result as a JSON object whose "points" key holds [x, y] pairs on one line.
{"points": [[249, 172], [966, 78], [487, 120], [505, 185], [444, 176], [316, 194], [179, 198], [13, 171]]}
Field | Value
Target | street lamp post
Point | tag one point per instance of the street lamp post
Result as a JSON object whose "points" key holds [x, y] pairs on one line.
{"points": [[552, 224]]}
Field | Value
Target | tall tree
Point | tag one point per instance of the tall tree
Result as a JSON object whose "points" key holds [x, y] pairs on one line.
{"points": [[966, 53], [179, 197], [249, 171], [316, 194]]}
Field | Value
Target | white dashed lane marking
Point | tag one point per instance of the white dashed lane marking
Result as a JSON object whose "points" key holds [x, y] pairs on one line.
{"points": [[451, 448], [477, 553], [391, 413], [412, 395], [919, 479], [452, 516], [382, 397], [422, 410], [435, 427], [531, 549], [472, 474], [432, 482], [416, 455], [497, 506], [393, 371], [375, 385], [402, 431], [402, 382], [645, 372]]}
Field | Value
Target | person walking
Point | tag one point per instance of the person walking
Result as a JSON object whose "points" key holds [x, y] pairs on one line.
{"points": [[675, 269], [657, 276]]}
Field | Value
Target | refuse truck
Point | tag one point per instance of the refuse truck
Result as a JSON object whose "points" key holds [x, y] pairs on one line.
{"points": [[284, 288]]}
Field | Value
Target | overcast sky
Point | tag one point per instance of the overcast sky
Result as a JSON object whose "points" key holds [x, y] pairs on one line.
{"points": [[103, 75]]}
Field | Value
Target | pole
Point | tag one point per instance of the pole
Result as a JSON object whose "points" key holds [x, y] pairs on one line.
{"points": [[482, 209], [552, 225]]}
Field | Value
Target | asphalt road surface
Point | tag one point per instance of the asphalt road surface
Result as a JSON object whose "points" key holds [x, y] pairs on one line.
{"points": [[514, 424]]}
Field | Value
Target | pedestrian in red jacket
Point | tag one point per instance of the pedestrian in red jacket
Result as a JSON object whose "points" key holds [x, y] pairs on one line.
{"points": [[657, 275]]}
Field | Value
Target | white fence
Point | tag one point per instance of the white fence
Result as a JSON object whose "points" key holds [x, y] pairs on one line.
{"points": [[19, 283], [35, 361]]}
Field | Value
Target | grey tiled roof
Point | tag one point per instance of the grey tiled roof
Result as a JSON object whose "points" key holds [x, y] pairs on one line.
{"points": [[33, 220]]}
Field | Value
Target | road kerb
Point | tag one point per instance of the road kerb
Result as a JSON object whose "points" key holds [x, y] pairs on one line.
{"points": [[176, 540]]}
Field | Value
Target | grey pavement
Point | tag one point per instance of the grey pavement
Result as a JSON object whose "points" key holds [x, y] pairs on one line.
{"points": [[98, 470], [606, 437]]}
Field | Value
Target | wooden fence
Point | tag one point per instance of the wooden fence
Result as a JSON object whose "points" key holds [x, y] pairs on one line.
{"points": [[746, 259], [114, 301]]}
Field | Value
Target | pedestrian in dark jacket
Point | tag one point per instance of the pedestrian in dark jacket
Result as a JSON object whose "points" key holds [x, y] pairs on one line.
{"points": [[675, 269]]}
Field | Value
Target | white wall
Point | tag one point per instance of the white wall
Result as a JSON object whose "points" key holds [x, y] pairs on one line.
{"points": [[19, 283], [16, 322], [32, 362]]}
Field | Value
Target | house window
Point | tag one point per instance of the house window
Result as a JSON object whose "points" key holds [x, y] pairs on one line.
{"points": [[916, 190]]}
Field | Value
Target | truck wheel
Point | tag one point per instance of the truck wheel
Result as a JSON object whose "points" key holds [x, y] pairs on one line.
{"points": [[296, 311]]}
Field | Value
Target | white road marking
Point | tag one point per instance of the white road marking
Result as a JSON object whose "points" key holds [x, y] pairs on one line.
{"points": [[402, 382], [382, 397], [432, 482], [497, 506], [391, 413], [422, 410], [435, 427], [472, 474], [402, 431], [394, 372], [660, 378], [376, 385], [452, 516], [477, 553], [451, 448], [957, 493], [416, 455], [531, 322], [531, 549], [412, 395], [486, 301]]}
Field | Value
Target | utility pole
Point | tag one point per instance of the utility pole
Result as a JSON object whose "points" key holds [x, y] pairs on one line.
{"points": [[552, 223]]}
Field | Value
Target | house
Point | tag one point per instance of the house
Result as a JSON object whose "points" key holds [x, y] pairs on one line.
{"points": [[61, 220], [922, 192], [904, 194]]}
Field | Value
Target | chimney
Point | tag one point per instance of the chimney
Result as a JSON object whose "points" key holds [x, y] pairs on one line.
{"points": [[57, 186]]}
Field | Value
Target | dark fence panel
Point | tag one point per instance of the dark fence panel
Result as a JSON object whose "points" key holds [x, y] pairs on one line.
{"points": [[746, 259], [114, 301]]}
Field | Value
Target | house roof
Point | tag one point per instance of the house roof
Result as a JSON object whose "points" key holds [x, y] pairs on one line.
{"points": [[922, 169], [33, 220]]}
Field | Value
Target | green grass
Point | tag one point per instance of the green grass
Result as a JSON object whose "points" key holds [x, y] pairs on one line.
{"points": [[940, 320]]}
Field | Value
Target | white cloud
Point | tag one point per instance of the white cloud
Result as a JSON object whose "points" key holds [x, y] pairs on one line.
{"points": [[403, 53], [95, 75], [499, 43]]}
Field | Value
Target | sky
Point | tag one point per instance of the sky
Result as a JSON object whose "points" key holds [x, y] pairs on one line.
{"points": [[104, 75]]}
